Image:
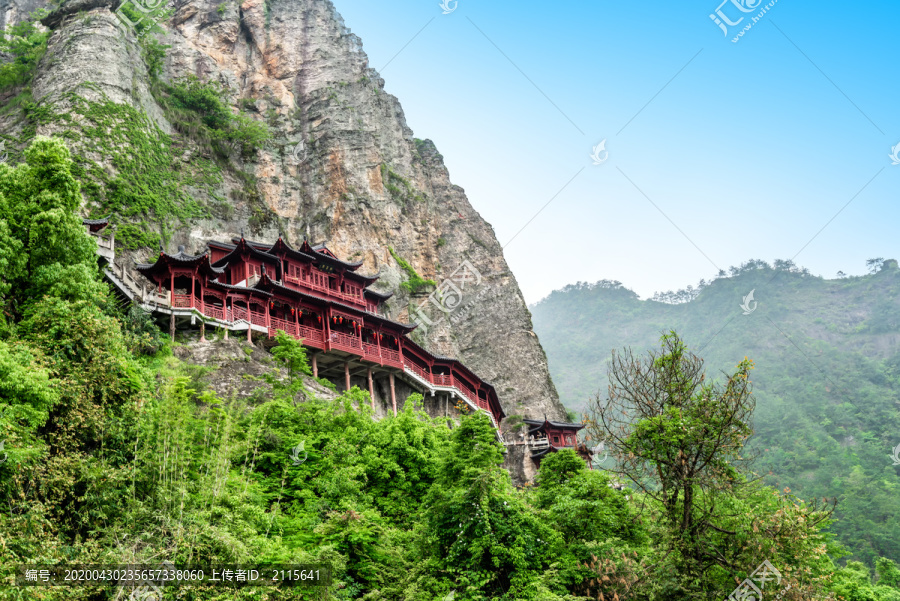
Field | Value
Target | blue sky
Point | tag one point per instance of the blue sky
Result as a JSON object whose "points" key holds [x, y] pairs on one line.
{"points": [[718, 152]]}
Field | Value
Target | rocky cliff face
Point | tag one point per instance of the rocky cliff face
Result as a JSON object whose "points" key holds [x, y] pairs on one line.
{"points": [[342, 166]]}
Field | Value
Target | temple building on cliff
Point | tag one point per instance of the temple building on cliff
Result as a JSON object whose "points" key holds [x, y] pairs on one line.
{"points": [[545, 436], [247, 287], [312, 295]]}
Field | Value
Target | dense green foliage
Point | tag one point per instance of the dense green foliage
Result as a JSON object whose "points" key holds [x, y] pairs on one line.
{"points": [[826, 378], [147, 185], [400, 188], [24, 44], [197, 108], [116, 452], [127, 165], [415, 283]]}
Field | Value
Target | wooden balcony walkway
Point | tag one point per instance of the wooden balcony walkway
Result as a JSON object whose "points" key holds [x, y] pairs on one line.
{"points": [[240, 319]]}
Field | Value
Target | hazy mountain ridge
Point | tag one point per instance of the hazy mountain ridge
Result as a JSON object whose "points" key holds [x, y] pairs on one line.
{"points": [[827, 375]]}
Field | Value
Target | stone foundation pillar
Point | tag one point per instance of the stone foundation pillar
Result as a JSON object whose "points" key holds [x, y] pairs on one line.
{"points": [[371, 389]]}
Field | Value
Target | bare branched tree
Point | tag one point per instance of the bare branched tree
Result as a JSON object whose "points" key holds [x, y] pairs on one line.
{"points": [[676, 436]]}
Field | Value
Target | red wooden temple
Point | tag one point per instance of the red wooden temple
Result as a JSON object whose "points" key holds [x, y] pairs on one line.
{"points": [[314, 296], [546, 436]]}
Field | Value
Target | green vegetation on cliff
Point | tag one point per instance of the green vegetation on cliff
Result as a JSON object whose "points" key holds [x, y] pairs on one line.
{"points": [[24, 44], [415, 283]]}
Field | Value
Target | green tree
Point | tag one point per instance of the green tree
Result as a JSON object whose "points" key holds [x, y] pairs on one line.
{"points": [[290, 353], [582, 503], [479, 531], [679, 438]]}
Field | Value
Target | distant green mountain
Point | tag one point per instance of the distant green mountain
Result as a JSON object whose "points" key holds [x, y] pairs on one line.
{"points": [[827, 377]]}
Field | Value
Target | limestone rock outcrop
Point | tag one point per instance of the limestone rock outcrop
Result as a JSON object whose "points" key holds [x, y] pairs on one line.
{"points": [[342, 166]]}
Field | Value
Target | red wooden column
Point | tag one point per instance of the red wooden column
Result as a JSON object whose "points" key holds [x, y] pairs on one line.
{"points": [[249, 322], [393, 394], [378, 336], [326, 317], [346, 375], [371, 389], [225, 314], [202, 309], [172, 306], [202, 295], [268, 319]]}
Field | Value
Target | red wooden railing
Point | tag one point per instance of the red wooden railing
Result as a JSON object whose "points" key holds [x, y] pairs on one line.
{"points": [[289, 327], [320, 284], [308, 333], [390, 356], [345, 340], [182, 300], [316, 337], [442, 379], [419, 371]]}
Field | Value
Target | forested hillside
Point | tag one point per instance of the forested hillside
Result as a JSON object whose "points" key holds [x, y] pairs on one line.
{"points": [[121, 447], [826, 378]]}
